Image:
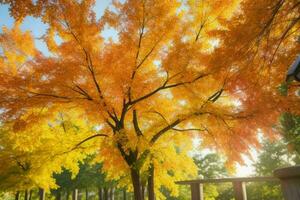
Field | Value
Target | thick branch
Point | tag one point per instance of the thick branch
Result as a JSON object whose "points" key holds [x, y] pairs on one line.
{"points": [[290, 26], [46, 95], [166, 86], [87, 139], [139, 65], [188, 129], [199, 32], [269, 22], [83, 92], [164, 130], [216, 95], [90, 67], [136, 124]]}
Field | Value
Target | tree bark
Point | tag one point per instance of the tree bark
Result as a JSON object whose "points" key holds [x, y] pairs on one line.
{"points": [[100, 193], [58, 195], [75, 194], [30, 194], [112, 193], [143, 191], [26, 195], [105, 194], [136, 182], [151, 194], [17, 195], [41, 194], [86, 194], [67, 195]]}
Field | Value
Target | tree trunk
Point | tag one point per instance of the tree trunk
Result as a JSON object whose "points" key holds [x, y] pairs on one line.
{"points": [[143, 191], [100, 193], [75, 194], [105, 194], [30, 194], [58, 195], [151, 195], [124, 194], [67, 195], [136, 182], [41, 194], [112, 193], [26, 195], [86, 194], [17, 195]]}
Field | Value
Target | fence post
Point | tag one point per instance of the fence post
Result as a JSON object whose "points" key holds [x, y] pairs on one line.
{"points": [[239, 189], [197, 191], [290, 181]]}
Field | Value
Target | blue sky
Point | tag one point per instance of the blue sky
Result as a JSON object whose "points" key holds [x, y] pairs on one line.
{"points": [[38, 28]]}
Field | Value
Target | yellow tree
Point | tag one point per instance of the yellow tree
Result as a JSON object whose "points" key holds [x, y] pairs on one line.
{"points": [[30, 156], [176, 70]]}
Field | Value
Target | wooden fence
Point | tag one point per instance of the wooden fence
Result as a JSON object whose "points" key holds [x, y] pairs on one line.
{"points": [[239, 185]]}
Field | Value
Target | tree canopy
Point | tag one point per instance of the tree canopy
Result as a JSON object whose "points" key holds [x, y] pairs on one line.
{"points": [[177, 69]]}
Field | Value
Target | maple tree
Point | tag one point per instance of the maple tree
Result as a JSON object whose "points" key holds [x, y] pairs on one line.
{"points": [[177, 70]]}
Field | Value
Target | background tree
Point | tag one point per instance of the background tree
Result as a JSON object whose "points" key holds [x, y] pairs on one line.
{"points": [[290, 129], [211, 166], [33, 154], [192, 67], [273, 155], [89, 178]]}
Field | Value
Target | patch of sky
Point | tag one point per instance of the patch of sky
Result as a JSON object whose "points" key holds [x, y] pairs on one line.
{"points": [[5, 19], [185, 38], [98, 127], [160, 71], [34, 25], [182, 102], [110, 33], [38, 29], [157, 63], [58, 39], [2, 110], [100, 7], [214, 43], [44, 77], [167, 94], [182, 8]]}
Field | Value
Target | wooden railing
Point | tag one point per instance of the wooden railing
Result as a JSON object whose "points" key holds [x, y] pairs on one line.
{"points": [[239, 185], [289, 178]]}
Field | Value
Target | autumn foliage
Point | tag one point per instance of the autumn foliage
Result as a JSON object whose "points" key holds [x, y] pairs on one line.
{"points": [[177, 70]]}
